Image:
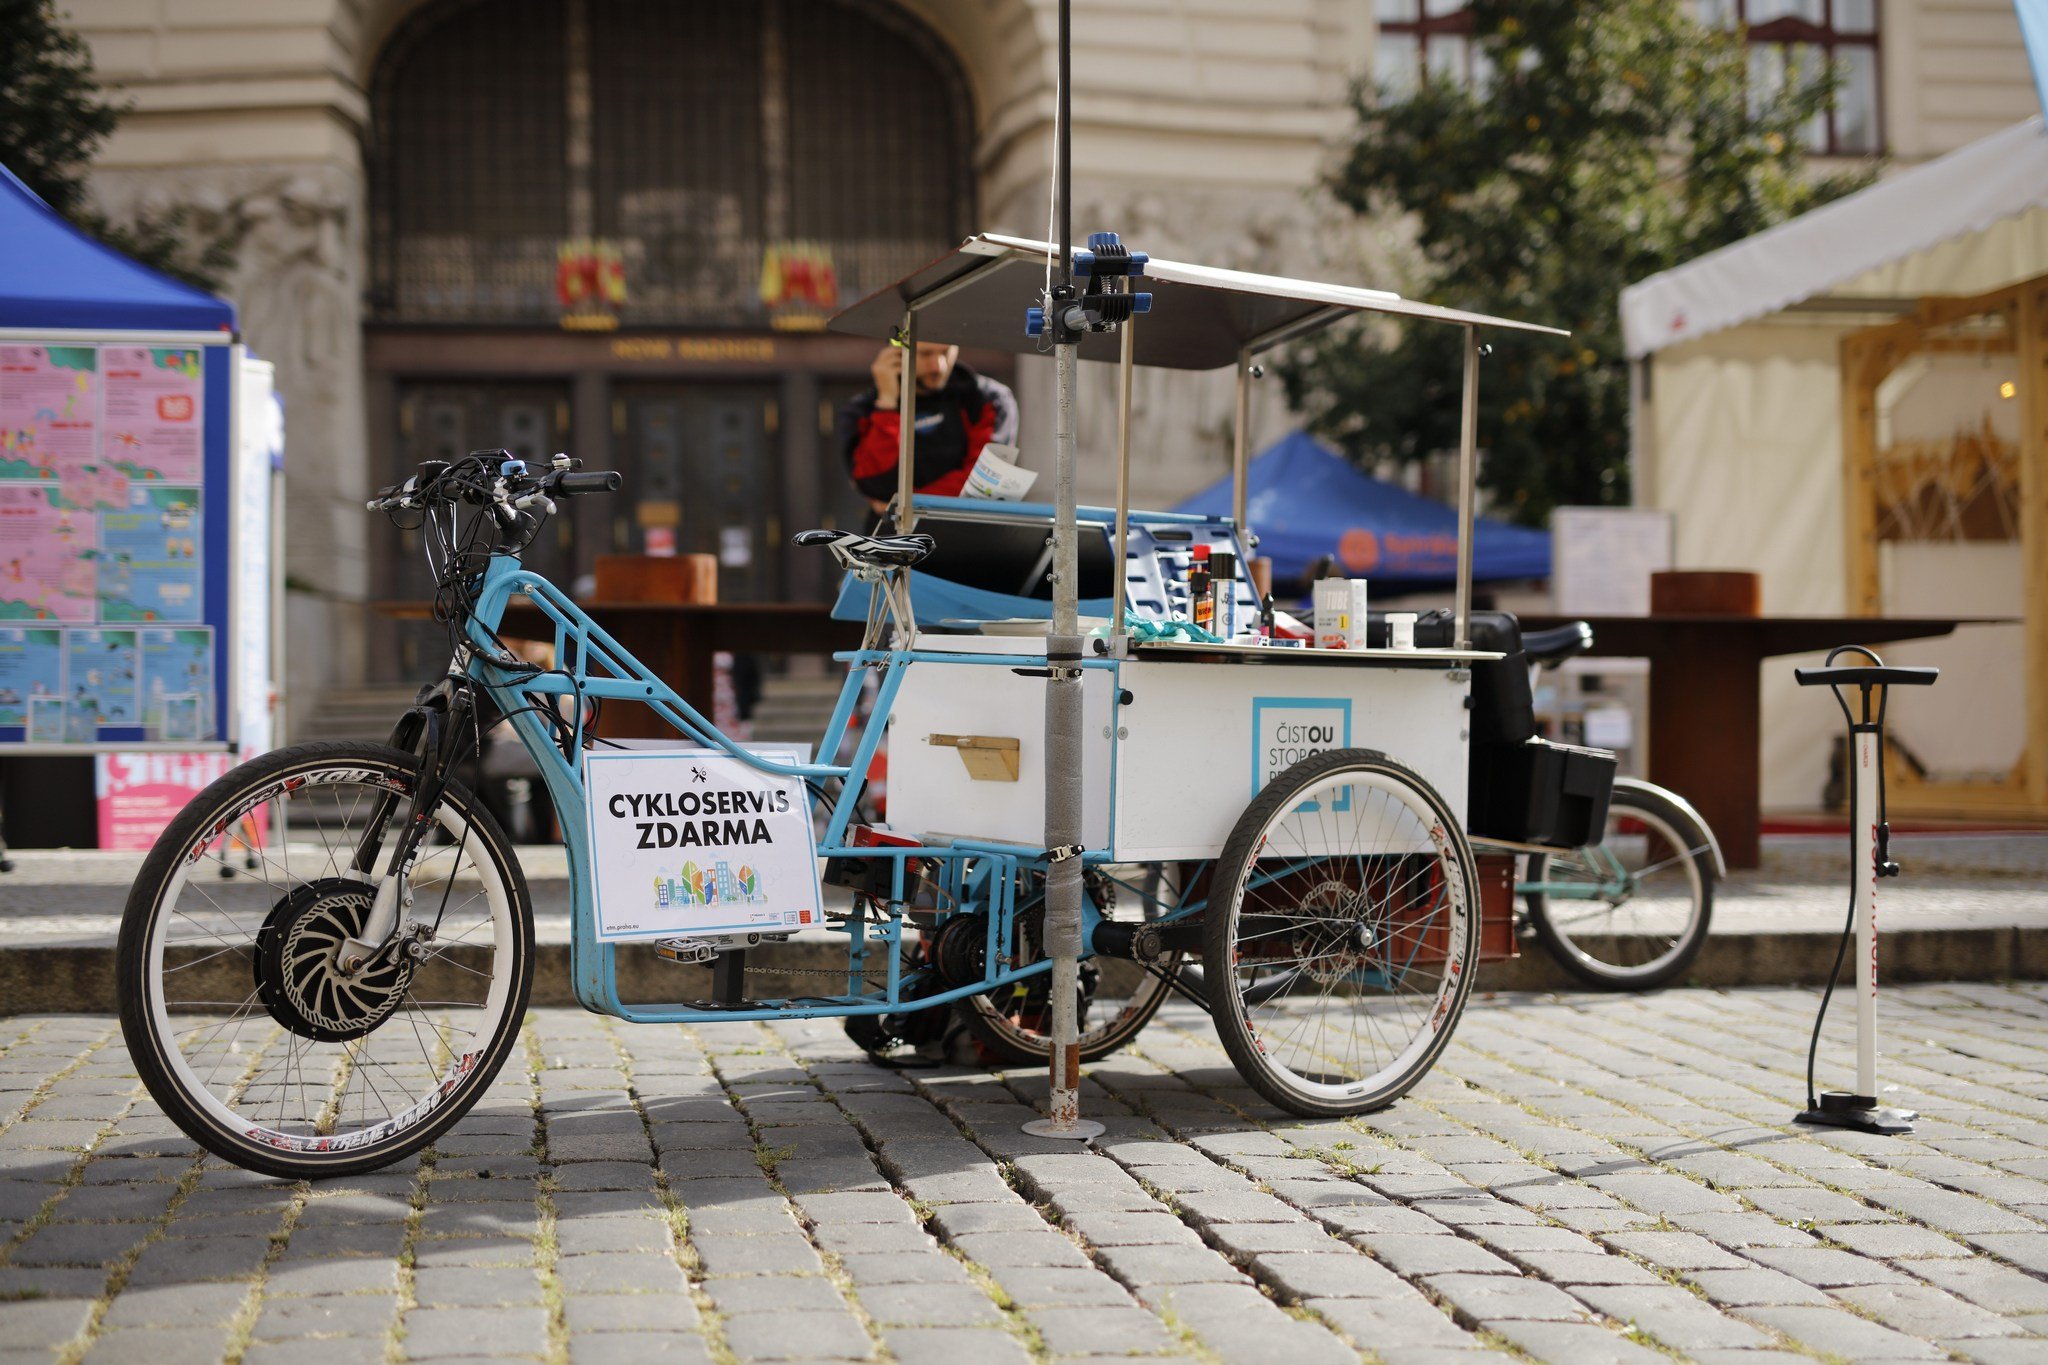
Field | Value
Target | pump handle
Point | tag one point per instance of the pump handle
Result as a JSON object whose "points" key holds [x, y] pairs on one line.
{"points": [[1867, 675]]}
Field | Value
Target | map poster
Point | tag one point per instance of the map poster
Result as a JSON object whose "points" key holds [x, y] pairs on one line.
{"points": [[49, 410], [101, 670], [149, 564], [47, 552], [31, 667], [154, 413], [177, 683]]}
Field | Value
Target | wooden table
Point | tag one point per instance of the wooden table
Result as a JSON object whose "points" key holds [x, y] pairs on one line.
{"points": [[676, 643], [1706, 734]]}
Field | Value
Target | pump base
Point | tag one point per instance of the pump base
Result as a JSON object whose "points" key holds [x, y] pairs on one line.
{"points": [[1840, 1109], [1080, 1130]]}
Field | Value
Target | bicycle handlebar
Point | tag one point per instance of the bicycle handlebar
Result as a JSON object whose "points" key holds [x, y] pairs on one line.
{"points": [[497, 479]]}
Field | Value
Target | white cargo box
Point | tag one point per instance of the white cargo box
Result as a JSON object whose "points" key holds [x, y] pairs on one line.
{"points": [[1168, 771]]}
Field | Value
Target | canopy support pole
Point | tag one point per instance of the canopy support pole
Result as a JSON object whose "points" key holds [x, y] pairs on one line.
{"points": [[1240, 465], [1063, 750], [1123, 473], [1468, 474], [906, 435]]}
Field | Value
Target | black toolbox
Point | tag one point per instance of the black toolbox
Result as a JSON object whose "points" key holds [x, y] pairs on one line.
{"points": [[1538, 792]]}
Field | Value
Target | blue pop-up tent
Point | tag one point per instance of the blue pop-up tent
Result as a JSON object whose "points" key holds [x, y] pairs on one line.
{"points": [[1305, 501], [53, 275]]}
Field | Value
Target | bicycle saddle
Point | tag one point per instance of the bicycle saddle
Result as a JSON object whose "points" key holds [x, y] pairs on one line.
{"points": [[1557, 644], [874, 552]]}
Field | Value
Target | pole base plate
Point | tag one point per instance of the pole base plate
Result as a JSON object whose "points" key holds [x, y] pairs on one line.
{"points": [[1080, 1130], [1840, 1109]]}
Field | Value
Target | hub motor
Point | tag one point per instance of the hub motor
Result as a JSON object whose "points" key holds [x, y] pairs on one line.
{"points": [[297, 965]]}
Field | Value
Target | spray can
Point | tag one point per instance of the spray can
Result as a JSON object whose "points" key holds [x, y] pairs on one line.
{"points": [[1223, 585], [1201, 607]]}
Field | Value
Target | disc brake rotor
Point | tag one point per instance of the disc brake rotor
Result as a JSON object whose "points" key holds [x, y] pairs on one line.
{"points": [[1339, 940], [298, 976]]}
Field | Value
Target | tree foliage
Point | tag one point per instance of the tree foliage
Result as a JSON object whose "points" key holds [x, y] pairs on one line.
{"points": [[1612, 140], [53, 118]]}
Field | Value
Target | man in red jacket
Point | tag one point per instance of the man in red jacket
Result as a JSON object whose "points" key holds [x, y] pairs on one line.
{"points": [[958, 412]]}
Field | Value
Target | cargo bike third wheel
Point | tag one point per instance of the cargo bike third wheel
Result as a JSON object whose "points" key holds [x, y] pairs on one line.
{"points": [[1341, 934]]}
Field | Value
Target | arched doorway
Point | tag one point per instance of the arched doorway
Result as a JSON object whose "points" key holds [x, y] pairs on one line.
{"points": [[617, 226]]}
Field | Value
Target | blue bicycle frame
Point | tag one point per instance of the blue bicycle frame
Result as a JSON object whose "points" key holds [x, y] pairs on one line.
{"points": [[592, 666]]}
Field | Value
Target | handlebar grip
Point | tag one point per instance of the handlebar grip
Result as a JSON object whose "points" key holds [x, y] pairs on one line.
{"points": [[1866, 675], [591, 481]]}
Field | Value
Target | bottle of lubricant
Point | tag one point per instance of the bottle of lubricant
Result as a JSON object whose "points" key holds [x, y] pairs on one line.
{"points": [[1223, 585], [1201, 607]]}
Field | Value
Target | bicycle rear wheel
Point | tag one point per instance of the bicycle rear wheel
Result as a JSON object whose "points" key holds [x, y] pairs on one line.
{"points": [[1341, 937], [1631, 912], [235, 1006]]}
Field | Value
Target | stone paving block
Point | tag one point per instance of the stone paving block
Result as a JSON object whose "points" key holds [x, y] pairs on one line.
{"points": [[1671, 1315], [21, 1284], [1999, 1288], [962, 1220], [775, 1294], [1298, 1276], [1118, 1228], [1105, 1331], [1214, 1206], [620, 1273], [1666, 1194], [1838, 1332], [41, 1324], [210, 1258], [1413, 1256], [1794, 1203], [471, 1251], [1241, 1241], [1754, 1287], [476, 1331], [480, 1286], [1893, 1241], [932, 1267], [855, 1208], [870, 1237], [1078, 1199], [1156, 1265], [1675, 1250], [1573, 1343], [1487, 1298], [929, 1305], [1923, 1311], [638, 1348], [1947, 1211], [797, 1336], [953, 1346], [314, 1279], [1035, 1286], [381, 1240], [354, 1315], [1351, 1220], [329, 1351], [1582, 1267], [185, 1305], [112, 1203], [1042, 1248], [1743, 1230], [1827, 1268], [604, 1175], [583, 1236], [768, 1254], [2027, 1250], [160, 1346], [79, 1244], [1393, 1323]]}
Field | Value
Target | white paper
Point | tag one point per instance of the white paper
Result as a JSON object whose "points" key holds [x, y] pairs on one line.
{"points": [[1602, 557], [694, 842], [996, 475]]}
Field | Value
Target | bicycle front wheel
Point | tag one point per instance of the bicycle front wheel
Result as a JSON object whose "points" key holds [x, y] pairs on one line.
{"points": [[235, 1005], [1342, 935], [1632, 911]]}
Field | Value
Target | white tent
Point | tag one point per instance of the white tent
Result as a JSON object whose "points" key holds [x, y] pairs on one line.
{"points": [[1738, 430]]}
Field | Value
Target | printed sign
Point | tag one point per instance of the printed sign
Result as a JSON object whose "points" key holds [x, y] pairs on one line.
{"points": [[693, 842], [139, 794], [1285, 730]]}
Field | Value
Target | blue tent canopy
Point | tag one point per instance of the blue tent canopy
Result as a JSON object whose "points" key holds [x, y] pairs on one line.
{"points": [[54, 276], [1305, 501]]}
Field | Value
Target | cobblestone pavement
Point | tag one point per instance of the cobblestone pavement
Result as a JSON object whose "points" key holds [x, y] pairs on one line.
{"points": [[67, 898], [1581, 1179]]}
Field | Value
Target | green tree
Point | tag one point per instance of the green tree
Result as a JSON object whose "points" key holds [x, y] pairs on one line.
{"points": [[1613, 140], [53, 118]]}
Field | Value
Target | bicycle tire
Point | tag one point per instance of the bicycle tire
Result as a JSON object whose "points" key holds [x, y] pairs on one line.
{"points": [[298, 1149], [1592, 949]]}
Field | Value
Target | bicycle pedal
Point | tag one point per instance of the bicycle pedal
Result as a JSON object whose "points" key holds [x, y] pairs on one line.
{"points": [[698, 950]]}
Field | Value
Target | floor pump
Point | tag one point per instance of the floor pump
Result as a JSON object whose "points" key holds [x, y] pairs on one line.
{"points": [[1870, 840]]}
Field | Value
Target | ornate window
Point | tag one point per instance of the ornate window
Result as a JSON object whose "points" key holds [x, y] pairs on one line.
{"points": [[1796, 38], [608, 163], [1786, 37]]}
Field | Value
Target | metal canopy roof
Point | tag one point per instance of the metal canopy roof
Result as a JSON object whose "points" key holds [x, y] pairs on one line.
{"points": [[1201, 315]]}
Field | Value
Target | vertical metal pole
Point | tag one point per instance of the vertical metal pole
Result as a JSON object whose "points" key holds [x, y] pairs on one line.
{"points": [[1123, 471], [1468, 477], [906, 436], [1240, 450], [1865, 816], [1063, 749]]}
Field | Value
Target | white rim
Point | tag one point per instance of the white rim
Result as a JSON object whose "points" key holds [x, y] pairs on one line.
{"points": [[461, 1058], [1428, 1017], [1559, 911]]}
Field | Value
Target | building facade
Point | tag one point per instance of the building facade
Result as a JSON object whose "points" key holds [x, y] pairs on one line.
{"points": [[614, 226]]}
